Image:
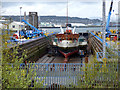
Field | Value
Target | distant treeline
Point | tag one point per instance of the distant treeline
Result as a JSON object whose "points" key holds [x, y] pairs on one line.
{"points": [[58, 19]]}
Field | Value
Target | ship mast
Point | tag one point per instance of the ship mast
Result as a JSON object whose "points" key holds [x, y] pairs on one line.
{"points": [[67, 14]]}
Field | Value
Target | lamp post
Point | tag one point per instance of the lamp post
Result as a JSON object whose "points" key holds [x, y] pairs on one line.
{"points": [[20, 21], [33, 20], [104, 29]]}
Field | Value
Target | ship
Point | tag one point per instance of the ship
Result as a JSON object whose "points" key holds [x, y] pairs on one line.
{"points": [[69, 42]]}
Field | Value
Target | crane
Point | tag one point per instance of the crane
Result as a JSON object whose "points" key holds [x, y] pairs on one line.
{"points": [[39, 31], [36, 32], [28, 33], [108, 20]]}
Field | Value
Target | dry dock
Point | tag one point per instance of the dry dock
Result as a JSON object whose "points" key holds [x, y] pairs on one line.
{"points": [[60, 59]]}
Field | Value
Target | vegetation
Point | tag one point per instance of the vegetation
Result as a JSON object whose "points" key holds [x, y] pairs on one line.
{"points": [[14, 75], [17, 75], [99, 75], [59, 19]]}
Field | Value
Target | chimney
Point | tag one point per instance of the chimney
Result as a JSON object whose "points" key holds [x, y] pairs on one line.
{"points": [[24, 15]]}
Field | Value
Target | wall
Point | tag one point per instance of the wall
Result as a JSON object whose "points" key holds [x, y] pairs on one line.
{"points": [[33, 19], [17, 26], [35, 48]]}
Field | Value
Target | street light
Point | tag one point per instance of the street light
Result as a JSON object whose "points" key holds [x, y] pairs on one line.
{"points": [[20, 20], [104, 28]]}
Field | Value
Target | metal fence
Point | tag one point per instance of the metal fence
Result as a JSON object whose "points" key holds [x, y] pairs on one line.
{"points": [[58, 73], [71, 73]]}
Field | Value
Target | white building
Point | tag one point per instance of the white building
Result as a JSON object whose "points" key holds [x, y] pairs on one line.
{"points": [[4, 21], [57, 25], [12, 26], [16, 26], [77, 24]]}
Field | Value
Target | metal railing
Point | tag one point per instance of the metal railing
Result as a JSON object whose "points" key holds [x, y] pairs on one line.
{"points": [[58, 73], [97, 45], [70, 73]]}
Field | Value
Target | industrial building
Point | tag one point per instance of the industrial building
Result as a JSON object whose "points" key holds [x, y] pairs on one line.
{"points": [[33, 19], [16, 26], [77, 24]]}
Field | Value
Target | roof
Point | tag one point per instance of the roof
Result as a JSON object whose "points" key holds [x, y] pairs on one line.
{"points": [[19, 23], [4, 21], [78, 24]]}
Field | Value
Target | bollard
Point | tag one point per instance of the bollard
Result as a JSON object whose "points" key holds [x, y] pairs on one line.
{"points": [[86, 59], [20, 37]]}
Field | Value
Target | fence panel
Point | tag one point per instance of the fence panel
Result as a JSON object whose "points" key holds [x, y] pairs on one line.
{"points": [[74, 73]]}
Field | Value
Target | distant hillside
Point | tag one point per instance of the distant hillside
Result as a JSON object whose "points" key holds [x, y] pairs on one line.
{"points": [[59, 19]]}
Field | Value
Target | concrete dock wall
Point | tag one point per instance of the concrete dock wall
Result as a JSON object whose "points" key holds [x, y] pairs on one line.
{"points": [[34, 49], [96, 45]]}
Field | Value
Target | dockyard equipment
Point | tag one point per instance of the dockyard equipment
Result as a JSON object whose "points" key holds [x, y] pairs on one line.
{"points": [[35, 31], [28, 33], [108, 20]]}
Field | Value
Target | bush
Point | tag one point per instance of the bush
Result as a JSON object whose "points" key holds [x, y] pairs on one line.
{"points": [[14, 75]]}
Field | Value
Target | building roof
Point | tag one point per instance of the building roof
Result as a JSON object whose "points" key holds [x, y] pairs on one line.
{"points": [[19, 23], [78, 24], [4, 21]]}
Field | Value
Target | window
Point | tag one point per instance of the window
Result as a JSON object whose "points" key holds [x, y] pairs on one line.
{"points": [[13, 26]]}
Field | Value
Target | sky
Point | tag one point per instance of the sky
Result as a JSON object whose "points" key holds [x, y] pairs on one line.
{"points": [[76, 8]]}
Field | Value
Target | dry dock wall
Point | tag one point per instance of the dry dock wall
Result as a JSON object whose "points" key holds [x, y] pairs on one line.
{"points": [[94, 44], [34, 48], [97, 46]]}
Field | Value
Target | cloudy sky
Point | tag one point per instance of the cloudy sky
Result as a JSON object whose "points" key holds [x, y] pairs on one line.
{"points": [[77, 8]]}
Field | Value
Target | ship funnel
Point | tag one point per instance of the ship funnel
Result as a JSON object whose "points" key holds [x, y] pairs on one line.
{"points": [[73, 31], [62, 31]]}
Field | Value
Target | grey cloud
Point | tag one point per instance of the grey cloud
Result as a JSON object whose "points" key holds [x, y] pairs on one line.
{"points": [[11, 4]]}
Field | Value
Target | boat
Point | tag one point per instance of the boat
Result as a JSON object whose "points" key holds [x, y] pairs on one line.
{"points": [[68, 41]]}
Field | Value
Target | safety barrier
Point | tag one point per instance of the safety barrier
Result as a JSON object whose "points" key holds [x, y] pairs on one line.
{"points": [[70, 74], [56, 73], [97, 45]]}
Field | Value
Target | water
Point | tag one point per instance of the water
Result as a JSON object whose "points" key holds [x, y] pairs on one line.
{"points": [[78, 30]]}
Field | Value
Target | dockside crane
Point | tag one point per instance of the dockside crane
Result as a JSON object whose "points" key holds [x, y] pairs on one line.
{"points": [[28, 33], [108, 33], [39, 32]]}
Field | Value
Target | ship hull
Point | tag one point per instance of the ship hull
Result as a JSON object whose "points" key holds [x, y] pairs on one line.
{"points": [[67, 48], [67, 54]]}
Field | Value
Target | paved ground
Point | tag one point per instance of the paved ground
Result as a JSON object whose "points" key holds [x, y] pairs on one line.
{"points": [[60, 59]]}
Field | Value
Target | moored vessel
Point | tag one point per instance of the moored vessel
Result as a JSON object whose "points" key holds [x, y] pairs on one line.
{"points": [[68, 41]]}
